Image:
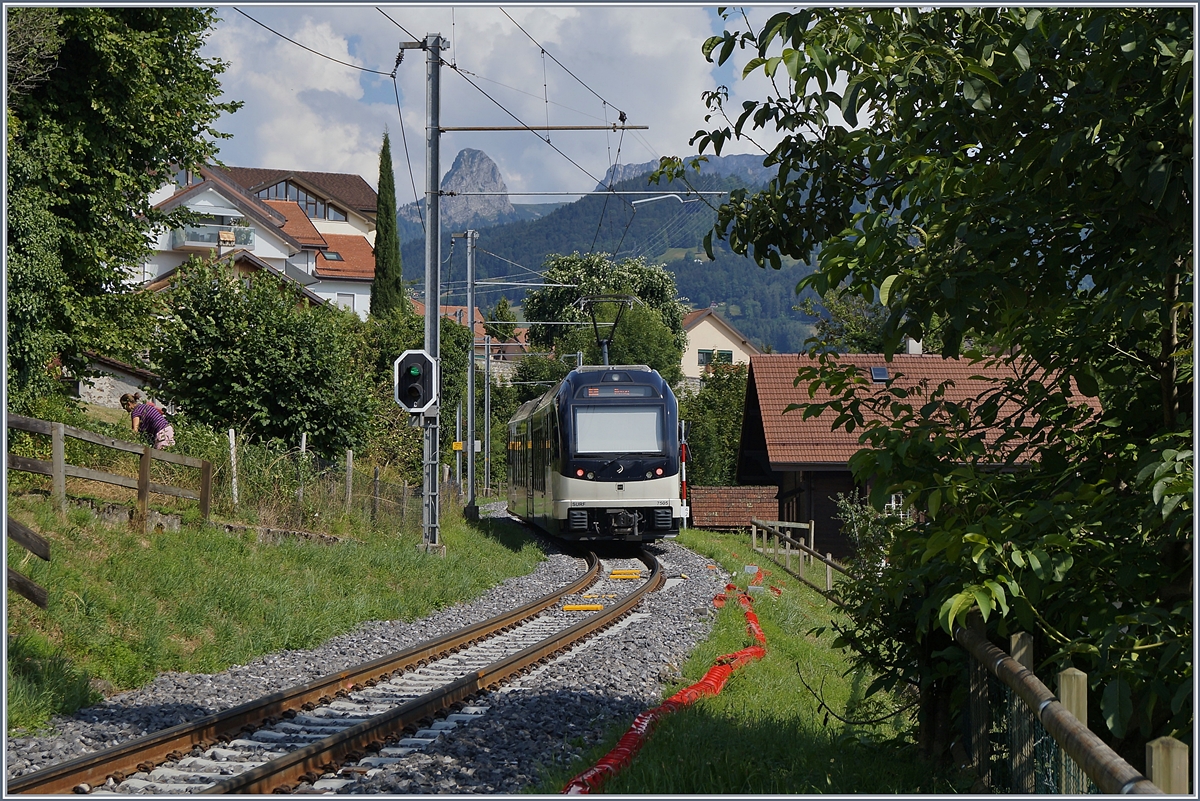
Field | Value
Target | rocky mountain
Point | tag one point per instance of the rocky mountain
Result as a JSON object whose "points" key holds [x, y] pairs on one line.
{"points": [[747, 168], [472, 171]]}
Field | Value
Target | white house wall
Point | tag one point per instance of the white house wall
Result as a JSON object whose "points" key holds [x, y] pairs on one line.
{"points": [[329, 289], [708, 335]]}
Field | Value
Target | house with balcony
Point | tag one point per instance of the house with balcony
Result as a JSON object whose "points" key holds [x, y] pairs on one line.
{"points": [[318, 229]]}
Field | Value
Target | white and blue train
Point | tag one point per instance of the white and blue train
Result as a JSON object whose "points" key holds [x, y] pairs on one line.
{"points": [[600, 457]]}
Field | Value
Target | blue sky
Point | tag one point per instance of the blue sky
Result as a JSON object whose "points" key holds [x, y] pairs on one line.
{"points": [[303, 111]]}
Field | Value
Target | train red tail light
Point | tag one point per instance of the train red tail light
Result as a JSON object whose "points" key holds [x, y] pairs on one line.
{"points": [[658, 471], [579, 472]]}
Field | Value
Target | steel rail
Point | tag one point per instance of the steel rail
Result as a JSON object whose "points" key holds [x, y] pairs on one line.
{"points": [[309, 762], [94, 769]]}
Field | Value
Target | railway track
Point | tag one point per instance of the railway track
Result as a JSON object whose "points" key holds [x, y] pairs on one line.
{"points": [[322, 735]]}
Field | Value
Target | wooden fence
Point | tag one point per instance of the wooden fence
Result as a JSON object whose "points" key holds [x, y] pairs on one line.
{"points": [[33, 542], [1080, 750], [59, 470], [782, 544]]}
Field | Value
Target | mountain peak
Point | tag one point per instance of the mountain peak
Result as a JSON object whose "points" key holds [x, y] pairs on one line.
{"points": [[472, 171]]}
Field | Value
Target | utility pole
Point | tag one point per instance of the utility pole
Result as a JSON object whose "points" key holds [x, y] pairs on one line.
{"points": [[431, 457]]}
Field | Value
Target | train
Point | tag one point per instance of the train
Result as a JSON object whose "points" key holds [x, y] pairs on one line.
{"points": [[600, 456]]}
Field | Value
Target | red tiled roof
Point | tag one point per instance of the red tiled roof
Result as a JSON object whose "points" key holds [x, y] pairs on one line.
{"points": [[731, 507], [297, 224], [358, 258], [456, 313], [693, 317], [791, 440], [350, 189]]}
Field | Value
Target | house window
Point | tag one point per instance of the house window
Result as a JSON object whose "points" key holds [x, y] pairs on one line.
{"points": [[314, 207], [333, 255], [707, 357], [346, 301]]}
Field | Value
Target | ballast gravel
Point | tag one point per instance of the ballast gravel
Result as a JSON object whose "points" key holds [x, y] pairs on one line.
{"points": [[547, 717]]}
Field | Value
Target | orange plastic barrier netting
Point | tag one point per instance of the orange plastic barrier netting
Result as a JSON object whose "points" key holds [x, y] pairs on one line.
{"points": [[712, 683]]}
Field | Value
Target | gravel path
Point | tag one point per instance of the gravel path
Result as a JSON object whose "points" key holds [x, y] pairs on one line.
{"points": [[546, 717]]}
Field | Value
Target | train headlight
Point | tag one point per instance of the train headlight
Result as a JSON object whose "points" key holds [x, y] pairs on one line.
{"points": [[649, 474], [658, 471], [591, 475]]}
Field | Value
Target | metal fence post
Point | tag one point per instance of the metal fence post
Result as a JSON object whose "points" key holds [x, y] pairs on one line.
{"points": [[59, 465], [828, 573], [1072, 694], [1167, 764], [979, 712], [349, 478], [233, 467], [375, 496], [1020, 647]]}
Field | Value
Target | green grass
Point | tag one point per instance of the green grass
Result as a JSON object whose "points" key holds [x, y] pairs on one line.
{"points": [[765, 733], [125, 606]]}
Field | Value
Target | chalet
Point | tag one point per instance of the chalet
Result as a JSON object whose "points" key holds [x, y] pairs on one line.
{"points": [[804, 459]]}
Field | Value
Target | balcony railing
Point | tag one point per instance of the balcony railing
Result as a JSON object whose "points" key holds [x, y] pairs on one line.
{"points": [[212, 237]]}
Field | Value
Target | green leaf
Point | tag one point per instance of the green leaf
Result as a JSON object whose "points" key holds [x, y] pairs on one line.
{"points": [[1087, 383], [935, 502], [1022, 56], [983, 600], [1116, 705], [885, 289]]}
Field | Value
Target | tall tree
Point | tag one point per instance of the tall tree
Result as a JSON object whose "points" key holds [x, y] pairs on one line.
{"points": [[596, 274], [387, 290], [249, 352], [501, 322], [1025, 176], [715, 415], [128, 101]]}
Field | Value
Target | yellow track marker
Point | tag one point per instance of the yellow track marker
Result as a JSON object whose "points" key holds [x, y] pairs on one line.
{"points": [[582, 607]]}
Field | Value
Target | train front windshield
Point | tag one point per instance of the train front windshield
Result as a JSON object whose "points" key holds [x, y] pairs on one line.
{"points": [[624, 429]]}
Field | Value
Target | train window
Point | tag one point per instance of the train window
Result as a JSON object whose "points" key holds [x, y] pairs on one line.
{"points": [[624, 429], [609, 391]]}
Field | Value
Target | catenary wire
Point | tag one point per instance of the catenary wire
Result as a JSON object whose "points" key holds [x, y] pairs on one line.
{"points": [[397, 24], [407, 158], [309, 49], [559, 63]]}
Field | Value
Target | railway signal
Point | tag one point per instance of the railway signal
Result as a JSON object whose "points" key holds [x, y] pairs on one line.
{"points": [[415, 377]]}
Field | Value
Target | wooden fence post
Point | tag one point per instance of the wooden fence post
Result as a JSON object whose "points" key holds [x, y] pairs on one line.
{"points": [[753, 537], [1020, 648], [787, 555], [205, 489], [812, 538], [58, 462], [1167, 764], [143, 490], [1072, 694], [349, 478], [828, 573]]}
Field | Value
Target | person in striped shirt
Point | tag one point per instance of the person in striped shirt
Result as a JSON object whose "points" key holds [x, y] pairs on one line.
{"points": [[148, 420]]}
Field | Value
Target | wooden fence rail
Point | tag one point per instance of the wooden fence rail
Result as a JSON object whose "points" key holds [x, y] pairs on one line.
{"points": [[59, 470], [33, 542]]}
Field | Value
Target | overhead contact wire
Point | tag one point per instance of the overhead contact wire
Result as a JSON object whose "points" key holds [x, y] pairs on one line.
{"points": [[309, 49]]}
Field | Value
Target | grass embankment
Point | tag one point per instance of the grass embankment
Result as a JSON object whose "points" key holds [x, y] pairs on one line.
{"points": [[125, 606], [765, 733]]}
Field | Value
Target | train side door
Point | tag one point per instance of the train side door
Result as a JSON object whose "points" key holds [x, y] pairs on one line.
{"points": [[530, 467]]}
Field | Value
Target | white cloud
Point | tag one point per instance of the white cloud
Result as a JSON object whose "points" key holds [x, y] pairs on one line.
{"points": [[306, 112]]}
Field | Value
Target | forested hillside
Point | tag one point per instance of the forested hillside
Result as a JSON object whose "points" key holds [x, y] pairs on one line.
{"points": [[757, 301]]}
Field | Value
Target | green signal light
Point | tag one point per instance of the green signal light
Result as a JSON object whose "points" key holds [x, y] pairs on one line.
{"points": [[414, 370]]}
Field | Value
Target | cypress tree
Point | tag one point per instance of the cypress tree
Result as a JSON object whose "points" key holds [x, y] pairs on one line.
{"points": [[387, 290]]}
